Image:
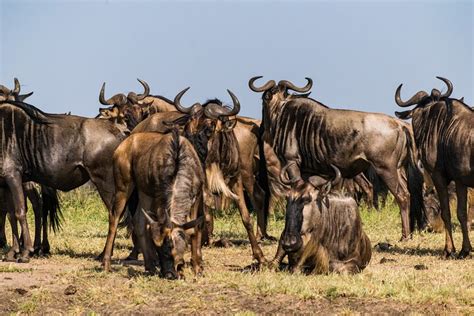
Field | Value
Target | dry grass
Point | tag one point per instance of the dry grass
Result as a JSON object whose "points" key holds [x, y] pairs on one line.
{"points": [[445, 287]]}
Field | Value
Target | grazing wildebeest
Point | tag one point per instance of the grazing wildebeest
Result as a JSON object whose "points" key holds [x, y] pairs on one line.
{"points": [[210, 130], [314, 137], [59, 151], [445, 141], [166, 171], [323, 232], [48, 204]]}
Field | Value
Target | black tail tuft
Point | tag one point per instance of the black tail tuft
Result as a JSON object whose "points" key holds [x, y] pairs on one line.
{"points": [[415, 187], [51, 207], [130, 209], [262, 176]]}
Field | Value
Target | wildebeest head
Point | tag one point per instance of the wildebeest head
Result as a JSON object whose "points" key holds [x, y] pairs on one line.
{"points": [[209, 128], [278, 92], [13, 95], [303, 208], [421, 99], [123, 109]]}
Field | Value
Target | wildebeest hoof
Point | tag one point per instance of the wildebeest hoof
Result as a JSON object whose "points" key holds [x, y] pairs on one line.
{"points": [[267, 237], [23, 259], [448, 255], [170, 276], [37, 252], [9, 258], [463, 254], [383, 246]]}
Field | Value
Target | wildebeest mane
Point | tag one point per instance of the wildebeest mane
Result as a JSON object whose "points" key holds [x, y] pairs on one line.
{"points": [[162, 98], [33, 112]]}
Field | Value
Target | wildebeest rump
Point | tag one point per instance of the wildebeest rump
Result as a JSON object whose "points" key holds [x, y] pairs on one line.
{"points": [[59, 151], [323, 233], [444, 136], [306, 132], [166, 171]]}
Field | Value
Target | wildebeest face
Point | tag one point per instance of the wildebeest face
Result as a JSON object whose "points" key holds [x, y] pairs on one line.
{"points": [[433, 212], [13, 95]]}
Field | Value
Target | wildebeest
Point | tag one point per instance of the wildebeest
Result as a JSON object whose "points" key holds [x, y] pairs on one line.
{"points": [[47, 204], [323, 232], [166, 171], [209, 127], [132, 111], [443, 135], [59, 151], [311, 137]]}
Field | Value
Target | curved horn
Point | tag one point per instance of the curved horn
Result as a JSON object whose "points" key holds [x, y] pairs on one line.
{"points": [[288, 85], [236, 109], [413, 100], [283, 174], [337, 179], [148, 217], [101, 95], [270, 84], [16, 90], [178, 105], [450, 87], [146, 92]]}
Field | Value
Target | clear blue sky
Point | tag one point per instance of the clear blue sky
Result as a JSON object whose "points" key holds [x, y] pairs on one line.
{"points": [[356, 52]]}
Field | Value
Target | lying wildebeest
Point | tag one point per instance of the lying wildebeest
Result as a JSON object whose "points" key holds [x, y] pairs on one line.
{"points": [[131, 111], [166, 171], [209, 127], [59, 151], [314, 137], [444, 137], [323, 232], [48, 204]]}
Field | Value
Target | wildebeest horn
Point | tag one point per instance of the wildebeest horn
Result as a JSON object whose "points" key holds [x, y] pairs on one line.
{"points": [[413, 100], [317, 181], [236, 109], [288, 85], [215, 111], [178, 105], [101, 95], [146, 92], [148, 217], [16, 90], [284, 175], [270, 84], [337, 179], [450, 87]]}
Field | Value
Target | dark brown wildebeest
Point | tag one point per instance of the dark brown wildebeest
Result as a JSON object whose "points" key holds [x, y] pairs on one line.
{"points": [[48, 204], [210, 130], [443, 135], [323, 232], [311, 137], [59, 151], [166, 171]]}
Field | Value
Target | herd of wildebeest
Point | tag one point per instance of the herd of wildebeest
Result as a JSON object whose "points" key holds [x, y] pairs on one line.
{"points": [[162, 167]]}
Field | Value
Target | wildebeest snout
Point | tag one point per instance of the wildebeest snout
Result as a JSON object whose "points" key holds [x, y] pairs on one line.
{"points": [[291, 242]]}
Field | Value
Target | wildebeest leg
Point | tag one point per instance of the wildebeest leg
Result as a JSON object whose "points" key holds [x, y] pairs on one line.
{"points": [[461, 193], [3, 217], [279, 255], [397, 186], [367, 187], [15, 185], [34, 198], [15, 248], [442, 189], [196, 254], [247, 220]]}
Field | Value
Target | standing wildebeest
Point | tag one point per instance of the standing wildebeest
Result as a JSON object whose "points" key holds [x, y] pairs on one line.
{"points": [[59, 151], [131, 111], [445, 140], [311, 137], [210, 130], [323, 233], [47, 205], [166, 171]]}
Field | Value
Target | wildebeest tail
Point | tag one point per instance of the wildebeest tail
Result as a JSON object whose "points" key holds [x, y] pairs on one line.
{"points": [[415, 186], [262, 176], [51, 207]]}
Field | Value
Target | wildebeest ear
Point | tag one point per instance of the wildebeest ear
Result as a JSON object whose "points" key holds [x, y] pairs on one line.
{"points": [[404, 115], [230, 124], [22, 97]]}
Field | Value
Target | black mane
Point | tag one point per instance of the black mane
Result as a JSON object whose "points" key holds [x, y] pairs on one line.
{"points": [[33, 112]]}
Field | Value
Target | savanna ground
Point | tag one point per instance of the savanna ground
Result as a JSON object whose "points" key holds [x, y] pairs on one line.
{"points": [[407, 277]]}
